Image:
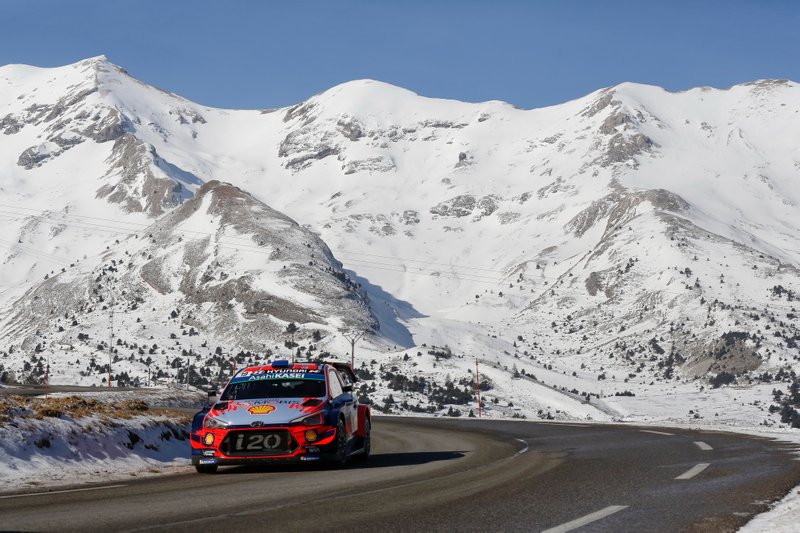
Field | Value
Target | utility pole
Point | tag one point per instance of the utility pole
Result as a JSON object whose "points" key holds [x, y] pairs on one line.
{"points": [[111, 344], [478, 387], [188, 369], [353, 337], [47, 375]]}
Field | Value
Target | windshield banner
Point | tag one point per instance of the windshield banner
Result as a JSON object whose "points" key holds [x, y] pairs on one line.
{"points": [[278, 373]]}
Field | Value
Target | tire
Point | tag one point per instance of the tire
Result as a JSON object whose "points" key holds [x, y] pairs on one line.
{"points": [[367, 440], [340, 455], [206, 469]]}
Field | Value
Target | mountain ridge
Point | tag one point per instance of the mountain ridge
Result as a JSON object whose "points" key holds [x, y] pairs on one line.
{"points": [[571, 226]]}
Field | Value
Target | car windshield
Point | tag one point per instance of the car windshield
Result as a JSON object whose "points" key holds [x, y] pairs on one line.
{"points": [[275, 388]]}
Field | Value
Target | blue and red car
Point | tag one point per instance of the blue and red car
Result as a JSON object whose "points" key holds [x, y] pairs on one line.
{"points": [[283, 412]]}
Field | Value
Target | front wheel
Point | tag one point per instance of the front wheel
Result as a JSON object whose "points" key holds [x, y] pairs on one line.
{"points": [[364, 455], [340, 457], [206, 469]]}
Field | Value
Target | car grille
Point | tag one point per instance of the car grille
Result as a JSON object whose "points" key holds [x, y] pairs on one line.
{"points": [[258, 442]]}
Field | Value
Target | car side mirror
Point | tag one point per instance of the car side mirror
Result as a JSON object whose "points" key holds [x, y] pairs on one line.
{"points": [[213, 396]]}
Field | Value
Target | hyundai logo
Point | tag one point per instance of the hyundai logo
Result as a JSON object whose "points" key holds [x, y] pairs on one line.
{"points": [[257, 424]]}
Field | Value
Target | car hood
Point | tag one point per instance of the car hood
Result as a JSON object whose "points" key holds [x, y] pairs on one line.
{"points": [[267, 411]]}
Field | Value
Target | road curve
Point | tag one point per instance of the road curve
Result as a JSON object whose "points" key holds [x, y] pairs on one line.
{"points": [[445, 475]]}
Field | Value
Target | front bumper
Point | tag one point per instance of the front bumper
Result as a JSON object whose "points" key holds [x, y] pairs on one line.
{"points": [[248, 445]]}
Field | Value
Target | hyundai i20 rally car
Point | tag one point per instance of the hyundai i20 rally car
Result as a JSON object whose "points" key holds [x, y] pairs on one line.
{"points": [[283, 412]]}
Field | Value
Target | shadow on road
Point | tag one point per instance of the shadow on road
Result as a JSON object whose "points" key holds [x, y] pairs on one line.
{"points": [[378, 460], [381, 460]]}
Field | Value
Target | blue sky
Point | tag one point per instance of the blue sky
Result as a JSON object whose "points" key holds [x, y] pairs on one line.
{"points": [[258, 54]]}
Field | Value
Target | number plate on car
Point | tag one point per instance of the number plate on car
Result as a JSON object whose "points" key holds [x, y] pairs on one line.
{"points": [[258, 443]]}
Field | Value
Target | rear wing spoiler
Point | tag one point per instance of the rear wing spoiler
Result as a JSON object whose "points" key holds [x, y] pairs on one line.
{"points": [[345, 370]]}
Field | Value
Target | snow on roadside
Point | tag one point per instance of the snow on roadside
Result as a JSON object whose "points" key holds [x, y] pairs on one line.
{"points": [[80, 439], [782, 518]]}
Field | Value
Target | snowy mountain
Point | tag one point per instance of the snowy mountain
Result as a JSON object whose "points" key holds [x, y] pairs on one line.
{"points": [[633, 240], [244, 270]]}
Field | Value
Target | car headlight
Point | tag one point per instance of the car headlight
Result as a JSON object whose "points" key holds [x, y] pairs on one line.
{"points": [[215, 423], [314, 419]]}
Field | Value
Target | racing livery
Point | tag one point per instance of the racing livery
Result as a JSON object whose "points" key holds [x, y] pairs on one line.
{"points": [[283, 412]]}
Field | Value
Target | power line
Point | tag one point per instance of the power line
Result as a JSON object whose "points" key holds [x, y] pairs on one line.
{"points": [[472, 276], [399, 268], [346, 252], [46, 211], [245, 239], [126, 231], [451, 275], [256, 249], [38, 254]]}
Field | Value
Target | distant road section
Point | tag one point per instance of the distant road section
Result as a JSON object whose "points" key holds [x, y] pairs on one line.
{"points": [[38, 390], [453, 475]]}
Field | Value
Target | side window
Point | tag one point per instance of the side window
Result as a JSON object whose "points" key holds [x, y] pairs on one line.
{"points": [[345, 378], [334, 384]]}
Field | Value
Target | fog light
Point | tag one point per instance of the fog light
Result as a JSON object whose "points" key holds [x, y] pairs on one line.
{"points": [[311, 435], [208, 440]]}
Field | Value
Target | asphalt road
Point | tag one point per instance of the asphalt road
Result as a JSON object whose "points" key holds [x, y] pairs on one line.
{"points": [[454, 475]]}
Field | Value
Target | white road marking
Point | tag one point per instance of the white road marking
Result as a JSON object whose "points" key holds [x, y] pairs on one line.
{"points": [[523, 450], [589, 518], [693, 471], [59, 492], [703, 446], [656, 432]]}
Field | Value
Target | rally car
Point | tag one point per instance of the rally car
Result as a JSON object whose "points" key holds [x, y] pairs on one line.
{"points": [[283, 412]]}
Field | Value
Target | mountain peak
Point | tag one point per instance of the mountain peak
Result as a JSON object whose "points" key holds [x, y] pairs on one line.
{"points": [[98, 66], [100, 59], [368, 86]]}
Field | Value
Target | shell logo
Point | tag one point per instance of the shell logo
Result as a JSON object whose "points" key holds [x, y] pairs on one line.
{"points": [[261, 409]]}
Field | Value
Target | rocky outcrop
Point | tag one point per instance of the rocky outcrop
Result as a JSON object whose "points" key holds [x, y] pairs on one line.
{"points": [[35, 156], [613, 121], [350, 128], [623, 148], [465, 205], [606, 96], [136, 181], [460, 206], [306, 145], [373, 164], [110, 127], [10, 125], [68, 102], [588, 217], [734, 352], [464, 160], [625, 209]]}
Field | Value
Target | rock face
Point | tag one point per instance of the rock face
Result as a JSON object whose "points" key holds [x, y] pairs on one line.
{"points": [[465, 205], [139, 178]]}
